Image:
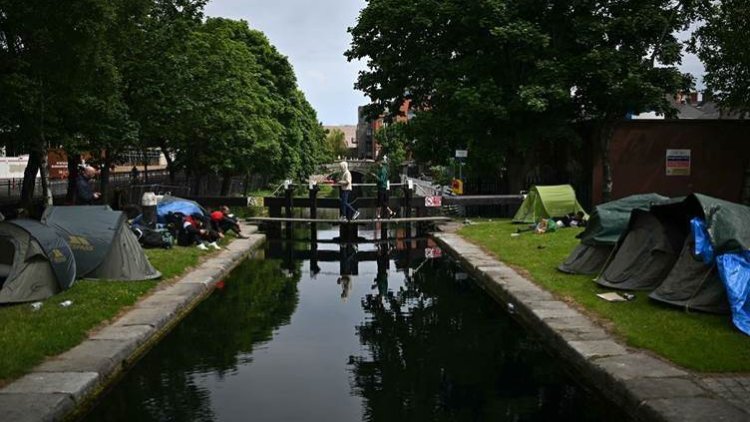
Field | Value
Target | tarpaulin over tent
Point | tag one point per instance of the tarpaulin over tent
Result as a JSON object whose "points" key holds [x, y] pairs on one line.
{"points": [[103, 245], [35, 263], [174, 204], [548, 202], [604, 228]]}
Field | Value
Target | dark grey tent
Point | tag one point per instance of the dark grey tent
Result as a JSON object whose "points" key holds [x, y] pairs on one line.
{"points": [[645, 253], [604, 228], [692, 284], [35, 262], [103, 245]]}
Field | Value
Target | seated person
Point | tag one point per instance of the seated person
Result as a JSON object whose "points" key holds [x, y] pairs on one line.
{"points": [[193, 232], [223, 221]]}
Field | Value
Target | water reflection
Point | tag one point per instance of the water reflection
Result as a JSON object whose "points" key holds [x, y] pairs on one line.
{"points": [[441, 350], [168, 384], [378, 331]]}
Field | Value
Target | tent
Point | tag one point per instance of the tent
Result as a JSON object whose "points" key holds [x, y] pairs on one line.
{"points": [[693, 283], [604, 228], [645, 253], [547, 202], [169, 204], [101, 241], [35, 262]]}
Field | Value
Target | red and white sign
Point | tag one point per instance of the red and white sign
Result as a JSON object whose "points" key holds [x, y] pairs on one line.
{"points": [[431, 253], [433, 201]]}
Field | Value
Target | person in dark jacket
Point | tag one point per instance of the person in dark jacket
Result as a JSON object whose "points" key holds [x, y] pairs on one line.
{"points": [[85, 194]]}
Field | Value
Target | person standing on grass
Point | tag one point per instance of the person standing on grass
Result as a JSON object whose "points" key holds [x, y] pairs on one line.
{"points": [[381, 179], [345, 183]]}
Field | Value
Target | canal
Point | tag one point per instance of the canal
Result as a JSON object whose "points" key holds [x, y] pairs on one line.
{"points": [[386, 331]]}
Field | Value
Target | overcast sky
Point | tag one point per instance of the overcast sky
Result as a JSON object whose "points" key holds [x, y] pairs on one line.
{"points": [[312, 33]]}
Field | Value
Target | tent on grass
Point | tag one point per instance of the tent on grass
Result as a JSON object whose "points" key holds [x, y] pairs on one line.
{"points": [[172, 204], [101, 241], [35, 262], [645, 253], [694, 283], [548, 202], [604, 228]]}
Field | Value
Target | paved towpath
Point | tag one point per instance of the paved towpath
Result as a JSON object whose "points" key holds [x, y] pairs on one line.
{"points": [[58, 387], [647, 387]]}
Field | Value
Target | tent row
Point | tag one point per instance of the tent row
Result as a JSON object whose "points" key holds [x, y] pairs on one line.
{"points": [[41, 258], [648, 242]]}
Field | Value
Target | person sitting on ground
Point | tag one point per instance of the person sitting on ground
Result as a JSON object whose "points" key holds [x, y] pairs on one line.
{"points": [[85, 194], [193, 233], [223, 221], [381, 178]]}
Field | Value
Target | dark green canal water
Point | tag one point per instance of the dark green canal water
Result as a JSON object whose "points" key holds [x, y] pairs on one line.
{"points": [[402, 337]]}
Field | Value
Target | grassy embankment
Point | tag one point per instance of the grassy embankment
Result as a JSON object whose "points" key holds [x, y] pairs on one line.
{"points": [[27, 337], [702, 342]]}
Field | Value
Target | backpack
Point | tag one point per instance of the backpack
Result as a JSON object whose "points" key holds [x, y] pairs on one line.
{"points": [[150, 238]]}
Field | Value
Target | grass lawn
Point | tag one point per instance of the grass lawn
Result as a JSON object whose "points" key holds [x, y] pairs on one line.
{"points": [[702, 342], [27, 337]]}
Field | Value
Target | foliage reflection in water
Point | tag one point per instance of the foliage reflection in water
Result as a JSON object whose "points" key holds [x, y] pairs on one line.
{"points": [[397, 338]]}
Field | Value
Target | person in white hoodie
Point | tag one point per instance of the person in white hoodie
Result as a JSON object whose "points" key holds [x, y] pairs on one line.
{"points": [[345, 183]]}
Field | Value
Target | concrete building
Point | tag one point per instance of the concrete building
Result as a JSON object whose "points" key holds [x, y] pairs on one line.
{"points": [[367, 146]]}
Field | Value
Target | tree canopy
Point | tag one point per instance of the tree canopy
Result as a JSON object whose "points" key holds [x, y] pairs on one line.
{"points": [[721, 45], [504, 78], [109, 76]]}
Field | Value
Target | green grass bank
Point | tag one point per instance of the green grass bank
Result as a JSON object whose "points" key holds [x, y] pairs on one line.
{"points": [[697, 341], [27, 337]]}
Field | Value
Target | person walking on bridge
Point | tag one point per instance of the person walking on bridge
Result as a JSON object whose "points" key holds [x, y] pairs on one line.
{"points": [[381, 178], [345, 183]]}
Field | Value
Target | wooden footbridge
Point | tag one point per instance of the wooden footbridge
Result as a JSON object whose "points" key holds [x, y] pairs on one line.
{"points": [[414, 210]]}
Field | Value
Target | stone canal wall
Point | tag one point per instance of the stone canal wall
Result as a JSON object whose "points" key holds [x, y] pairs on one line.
{"points": [[647, 388], [66, 384]]}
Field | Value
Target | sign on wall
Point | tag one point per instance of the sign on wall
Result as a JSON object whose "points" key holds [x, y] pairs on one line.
{"points": [[678, 162], [433, 201]]}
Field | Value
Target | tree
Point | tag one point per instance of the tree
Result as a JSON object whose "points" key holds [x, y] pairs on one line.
{"points": [[722, 46], [620, 58], [506, 78], [481, 76], [53, 68], [394, 143], [336, 142]]}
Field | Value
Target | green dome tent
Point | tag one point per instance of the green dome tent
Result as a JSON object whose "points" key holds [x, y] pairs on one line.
{"points": [[101, 241], [548, 202], [604, 228], [35, 262]]}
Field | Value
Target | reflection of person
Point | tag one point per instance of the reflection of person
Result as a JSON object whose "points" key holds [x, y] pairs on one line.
{"points": [[85, 194], [381, 279], [382, 183], [346, 286], [347, 210]]}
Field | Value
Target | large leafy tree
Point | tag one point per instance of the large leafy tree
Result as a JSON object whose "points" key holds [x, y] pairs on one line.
{"points": [[157, 78], [506, 78], [54, 71], [621, 57], [480, 75], [721, 44]]}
